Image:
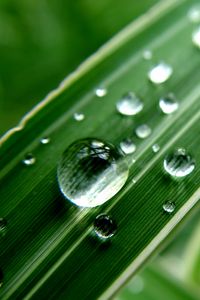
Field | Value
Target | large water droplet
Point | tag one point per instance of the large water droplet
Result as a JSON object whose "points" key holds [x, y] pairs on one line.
{"points": [[196, 37], [3, 226], [79, 117], [45, 140], [127, 146], [160, 73], [169, 207], [179, 163], [104, 226], [143, 131], [29, 159], [101, 92], [91, 172], [129, 105], [168, 104]]}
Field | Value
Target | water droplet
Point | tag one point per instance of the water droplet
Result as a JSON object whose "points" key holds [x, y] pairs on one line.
{"points": [[155, 148], [100, 92], [147, 54], [169, 206], [3, 226], [91, 172], [143, 131], [129, 105], [160, 73], [179, 163], [196, 37], [79, 117], [127, 146], [45, 140], [168, 104], [194, 14], [104, 226], [29, 159]]}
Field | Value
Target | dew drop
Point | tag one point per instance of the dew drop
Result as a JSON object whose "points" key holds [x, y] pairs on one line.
{"points": [[45, 140], [79, 117], [134, 181], [196, 37], [194, 14], [127, 146], [168, 104], [155, 148], [100, 92], [104, 226], [129, 105], [91, 172], [143, 131], [147, 54], [169, 207], [3, 226], [179, 163], [29, 160], [160, 73]]}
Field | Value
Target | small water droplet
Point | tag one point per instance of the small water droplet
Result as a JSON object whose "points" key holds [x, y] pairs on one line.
{"points": [[168, 104], [91, 172], [79, 117], [143, 131], [134, 180], [127, 146], [129, 105], [179, 163], [196, 37], [194, 14], [45, 140], [29, 159], [147, 54], [100, 92], [169, 207], [160, 73], [155, 148], [3, 226], [104, 226]]}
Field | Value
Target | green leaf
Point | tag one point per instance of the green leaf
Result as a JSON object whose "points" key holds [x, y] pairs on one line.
{"points": [[49, 247]]}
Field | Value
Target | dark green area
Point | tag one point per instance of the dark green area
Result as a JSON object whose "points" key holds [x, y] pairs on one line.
{"points": [[42, 41]]}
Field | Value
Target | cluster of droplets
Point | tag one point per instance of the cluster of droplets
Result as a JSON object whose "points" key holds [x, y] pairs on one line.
{"points": [[92, 171], [177, 164]]}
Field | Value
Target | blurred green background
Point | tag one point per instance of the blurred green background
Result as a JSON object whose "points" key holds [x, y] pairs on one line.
{"points": [[42, 41]]}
